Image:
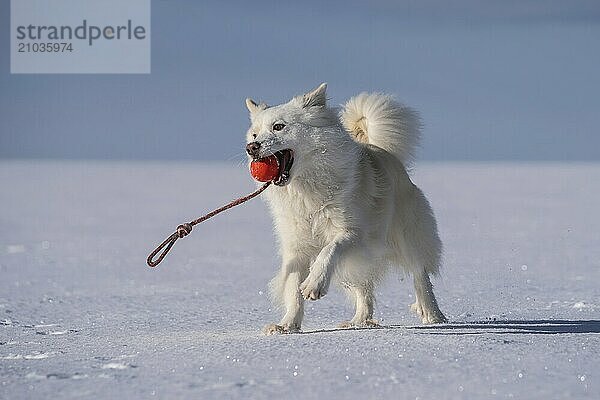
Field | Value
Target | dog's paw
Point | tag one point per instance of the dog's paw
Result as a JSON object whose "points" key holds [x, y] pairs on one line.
{"points": [[417, 309], [434, 318], [369, 323], [313, 289], [428, 316], [274, 329]]}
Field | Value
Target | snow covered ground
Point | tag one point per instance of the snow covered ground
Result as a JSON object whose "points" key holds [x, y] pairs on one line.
{"points": [[81, 315]]}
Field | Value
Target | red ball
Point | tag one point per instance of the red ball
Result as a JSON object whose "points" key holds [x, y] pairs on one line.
{"points": [[265, 170]]}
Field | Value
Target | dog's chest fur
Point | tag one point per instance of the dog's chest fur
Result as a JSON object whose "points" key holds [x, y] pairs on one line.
{"points": [[308, 211]]}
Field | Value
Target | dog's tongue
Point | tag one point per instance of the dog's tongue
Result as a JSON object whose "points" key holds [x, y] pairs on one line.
{"points": [[265, 170]]}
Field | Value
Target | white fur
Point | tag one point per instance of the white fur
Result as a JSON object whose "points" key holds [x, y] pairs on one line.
{"points": [[349, 211], [391, 126]]}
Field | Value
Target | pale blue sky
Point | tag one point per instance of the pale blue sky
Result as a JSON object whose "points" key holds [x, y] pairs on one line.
{"points": [[493, 80]]}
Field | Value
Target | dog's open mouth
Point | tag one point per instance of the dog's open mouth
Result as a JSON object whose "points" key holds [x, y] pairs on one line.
{"points": [[285, 159]]}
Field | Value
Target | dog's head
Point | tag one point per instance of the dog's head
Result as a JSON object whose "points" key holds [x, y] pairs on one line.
{"points": [[291, 131]]}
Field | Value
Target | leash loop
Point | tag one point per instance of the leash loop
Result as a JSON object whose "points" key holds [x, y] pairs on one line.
{"points": [[186, 228]]}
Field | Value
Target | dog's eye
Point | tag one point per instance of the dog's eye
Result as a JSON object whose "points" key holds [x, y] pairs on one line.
{"points": [[278, 127]]}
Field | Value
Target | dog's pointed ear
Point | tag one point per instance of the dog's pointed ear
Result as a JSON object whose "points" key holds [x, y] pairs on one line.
{"points": [[316, 97], [253, 107]]}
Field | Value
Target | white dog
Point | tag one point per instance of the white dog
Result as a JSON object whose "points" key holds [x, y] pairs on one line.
{"points": [[344, 206]]}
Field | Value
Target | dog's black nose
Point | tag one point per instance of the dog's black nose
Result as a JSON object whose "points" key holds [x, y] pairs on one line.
{"points": [[252, 149]]}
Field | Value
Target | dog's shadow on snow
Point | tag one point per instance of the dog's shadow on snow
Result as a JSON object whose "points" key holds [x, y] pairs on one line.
{"points": [[539, 327]]}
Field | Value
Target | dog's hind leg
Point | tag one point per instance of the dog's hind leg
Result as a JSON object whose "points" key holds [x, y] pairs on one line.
{"points": [[285, 290], [426, 305], [364, 301], [420, 250]]}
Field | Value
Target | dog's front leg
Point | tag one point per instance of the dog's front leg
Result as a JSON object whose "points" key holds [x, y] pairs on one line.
{"points": [[316, 284], [285, 290]]}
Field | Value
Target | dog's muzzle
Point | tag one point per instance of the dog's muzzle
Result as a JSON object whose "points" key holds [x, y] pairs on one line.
{"points": [[285, 160]]}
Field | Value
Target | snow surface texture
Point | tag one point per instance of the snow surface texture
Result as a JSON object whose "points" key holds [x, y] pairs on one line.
{"points": [[81, 315]]}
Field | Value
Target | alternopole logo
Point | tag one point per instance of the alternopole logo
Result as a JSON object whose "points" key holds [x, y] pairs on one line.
{"points": [[80, 36]]}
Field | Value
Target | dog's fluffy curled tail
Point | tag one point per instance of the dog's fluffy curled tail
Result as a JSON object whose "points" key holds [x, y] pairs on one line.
{"points": [[377, 119]]}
